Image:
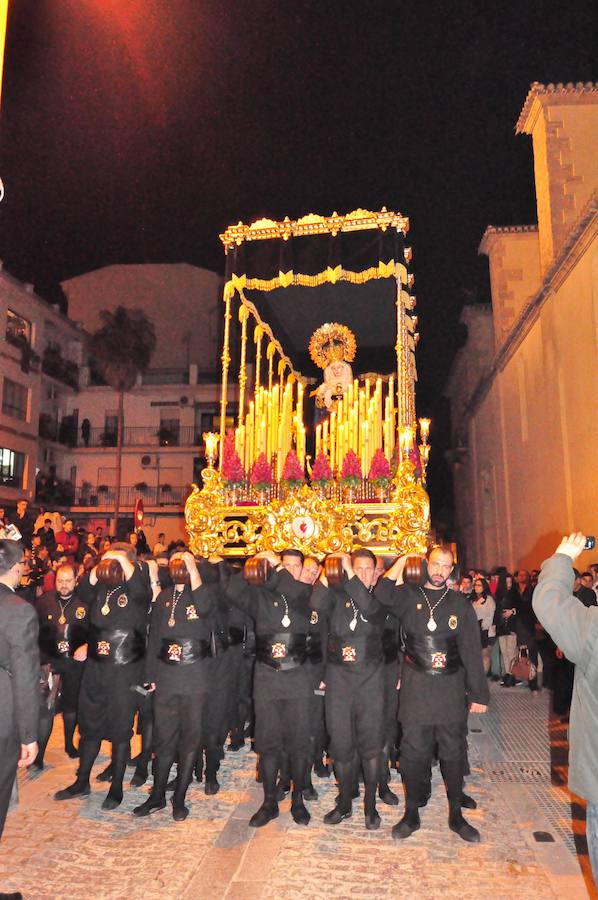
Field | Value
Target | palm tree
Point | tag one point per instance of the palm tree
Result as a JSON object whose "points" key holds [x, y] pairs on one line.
{"points": [[122, 348]]}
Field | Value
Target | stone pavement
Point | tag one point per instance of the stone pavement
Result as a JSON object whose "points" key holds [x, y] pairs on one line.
{"points": [[54, 851]]}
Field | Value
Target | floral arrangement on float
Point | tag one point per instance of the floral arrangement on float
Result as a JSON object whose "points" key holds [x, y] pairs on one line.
{"points": [[351, 475], [321, 473], [261, 476], [292, 473], [233, 473], [380, 473]]}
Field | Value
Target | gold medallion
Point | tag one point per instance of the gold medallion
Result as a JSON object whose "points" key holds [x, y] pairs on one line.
{"points": [[122, 600], [452, 623], [171, 622], [313, 619], [105, 609], [62, 620], [80, 612]]}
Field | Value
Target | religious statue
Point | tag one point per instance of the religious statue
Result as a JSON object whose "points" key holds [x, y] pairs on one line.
{"points": [[332, 347]]}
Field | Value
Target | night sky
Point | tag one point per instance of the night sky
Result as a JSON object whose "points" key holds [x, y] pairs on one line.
{"points": [[134, 131]]}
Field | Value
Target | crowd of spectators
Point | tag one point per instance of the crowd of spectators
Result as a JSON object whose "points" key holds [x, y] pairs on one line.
{"points": [[509, 629], [50, 540]]}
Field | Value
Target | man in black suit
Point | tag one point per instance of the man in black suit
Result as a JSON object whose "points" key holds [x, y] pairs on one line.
{"points": [[19, 674]]}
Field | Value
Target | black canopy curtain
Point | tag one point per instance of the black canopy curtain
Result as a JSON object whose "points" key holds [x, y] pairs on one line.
{"points": [[298, 284]]}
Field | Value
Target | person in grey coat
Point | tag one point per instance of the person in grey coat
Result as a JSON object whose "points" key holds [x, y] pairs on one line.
{"points": [[574, 629], [19, 674]]}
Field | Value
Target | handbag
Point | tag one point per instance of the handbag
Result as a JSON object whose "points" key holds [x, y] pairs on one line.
{"points": [[523, 668]]}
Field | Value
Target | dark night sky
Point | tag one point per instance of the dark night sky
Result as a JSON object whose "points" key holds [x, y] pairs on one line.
{"points": [[136, 130]]}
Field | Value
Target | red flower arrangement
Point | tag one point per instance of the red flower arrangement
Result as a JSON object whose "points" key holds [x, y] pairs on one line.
{"points": [[292, 473], [261, 474], [379, 472], [321, 473], [232, 467], [351, 471]]}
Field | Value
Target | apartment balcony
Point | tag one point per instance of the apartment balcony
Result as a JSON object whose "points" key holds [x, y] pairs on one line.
{"points": [[152, 496], [144, 436]]}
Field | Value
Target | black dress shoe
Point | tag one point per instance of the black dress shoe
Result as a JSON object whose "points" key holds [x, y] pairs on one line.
{"points": [[468, 802], [105, 774], [423, 801], [310, 793], [17, 895], [179, 812], [336, 815], [151, 805], [408, 824], [267, 811], [211, 787], [236, 745], [462, 827], [72, 753], [112, 800], [74, 790], [372, 820], [139, 776], [299, 812], [387, 796]]}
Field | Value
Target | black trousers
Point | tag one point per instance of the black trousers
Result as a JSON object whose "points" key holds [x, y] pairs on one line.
{"points": [[220, 707], [9, 756], [355, 711], [391, 703], [419, 742], [178, 723], [107, 705]]}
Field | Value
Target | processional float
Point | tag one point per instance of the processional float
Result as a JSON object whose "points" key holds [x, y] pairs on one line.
{"points": [[320, 468]]}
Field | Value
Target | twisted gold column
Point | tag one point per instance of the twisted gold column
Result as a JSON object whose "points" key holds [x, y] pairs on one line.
{"points": [[225, 364]]}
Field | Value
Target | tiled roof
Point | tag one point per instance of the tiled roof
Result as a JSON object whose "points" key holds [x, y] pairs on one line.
{"points": [[537, 90]]}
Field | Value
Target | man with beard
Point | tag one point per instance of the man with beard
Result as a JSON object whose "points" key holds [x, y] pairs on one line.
{"points": [[63, 626], [442, 672], [107, 701], [280, 609]]}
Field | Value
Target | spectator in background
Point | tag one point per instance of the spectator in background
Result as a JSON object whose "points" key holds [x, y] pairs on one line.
{"points": [[574, 628], [525, 621], [160, 545], [484, 608], [47, 536], [86, 431], [466, 586], [99, 536], [69, 540], [24, 521], [583, 590], [506, 628]]}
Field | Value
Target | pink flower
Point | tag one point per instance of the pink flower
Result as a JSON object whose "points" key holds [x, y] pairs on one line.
{"points": [[351, 470], [232, 468], [321, 472], [292, 473], [379, 469], [261, 474]]}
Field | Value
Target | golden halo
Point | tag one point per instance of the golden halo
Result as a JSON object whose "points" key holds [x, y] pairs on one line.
{"points": [[330, 343]]}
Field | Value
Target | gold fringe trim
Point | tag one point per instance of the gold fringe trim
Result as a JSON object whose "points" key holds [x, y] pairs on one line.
{"points": [[328, 276]]}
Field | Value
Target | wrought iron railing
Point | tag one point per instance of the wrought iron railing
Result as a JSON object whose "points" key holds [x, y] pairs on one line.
{"points": [[104, 495]]}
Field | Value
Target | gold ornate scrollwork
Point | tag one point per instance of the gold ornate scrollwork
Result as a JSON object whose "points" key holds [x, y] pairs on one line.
{"points": [[307, 521], [205, 514]]}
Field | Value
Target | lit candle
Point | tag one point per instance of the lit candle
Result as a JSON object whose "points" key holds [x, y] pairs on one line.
{"points": [[424, 429], [318, 438]]}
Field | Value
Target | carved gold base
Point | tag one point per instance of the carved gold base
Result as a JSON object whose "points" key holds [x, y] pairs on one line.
{"points": [[307, 521]]}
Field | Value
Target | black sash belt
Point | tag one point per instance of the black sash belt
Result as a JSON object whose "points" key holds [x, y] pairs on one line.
{"points": [[178, 651], [118, 647], [236, 635], [314, 649], [61, 642], [281, 651], [432, 655], [348, 651], [219, 643]]}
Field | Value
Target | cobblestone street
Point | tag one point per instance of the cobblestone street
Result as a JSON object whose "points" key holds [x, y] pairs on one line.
{"points": [[74, 850]]}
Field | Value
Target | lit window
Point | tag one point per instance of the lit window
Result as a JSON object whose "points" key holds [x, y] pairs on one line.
{"points": [[12, 467], [18, 329]]}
